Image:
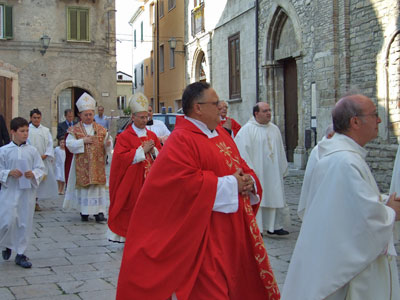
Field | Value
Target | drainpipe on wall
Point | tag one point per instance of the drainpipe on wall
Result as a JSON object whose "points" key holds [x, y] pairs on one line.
{"points": [[157, 58], [257, 64]]}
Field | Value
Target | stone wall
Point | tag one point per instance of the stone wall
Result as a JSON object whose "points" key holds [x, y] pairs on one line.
{"points": [[344, 45], [88, 65]]}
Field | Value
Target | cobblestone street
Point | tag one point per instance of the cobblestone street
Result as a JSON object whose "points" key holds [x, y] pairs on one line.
{"points": [[73, 260]]}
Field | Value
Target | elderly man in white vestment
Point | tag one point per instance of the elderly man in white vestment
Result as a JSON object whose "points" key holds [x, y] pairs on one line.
{"points": [[260, 144], [89, 142], [311, 163], [40, 138], [345, 247]]}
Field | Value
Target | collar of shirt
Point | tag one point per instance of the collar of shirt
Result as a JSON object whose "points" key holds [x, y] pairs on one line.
{"points": [[203, 127], [24, 143], [139, 131]]}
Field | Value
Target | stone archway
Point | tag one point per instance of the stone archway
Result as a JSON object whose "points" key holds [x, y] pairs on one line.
{"points": [[283, 79], [200, 68], [60, 91]]}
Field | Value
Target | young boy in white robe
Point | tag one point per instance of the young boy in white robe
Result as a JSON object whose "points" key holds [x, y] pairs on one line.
{"points": [[21, 169], [59, 153]]}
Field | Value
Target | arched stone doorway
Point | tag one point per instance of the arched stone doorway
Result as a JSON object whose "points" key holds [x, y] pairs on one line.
{"points": [[200, 67], [282, 66], [65, 96]]}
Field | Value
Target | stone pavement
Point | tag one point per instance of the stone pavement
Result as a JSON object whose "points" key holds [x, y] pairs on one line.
{"points": [[73, 260]]}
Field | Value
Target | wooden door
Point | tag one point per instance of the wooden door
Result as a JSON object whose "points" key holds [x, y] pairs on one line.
{"points": [[290, 96], [6, 99]]}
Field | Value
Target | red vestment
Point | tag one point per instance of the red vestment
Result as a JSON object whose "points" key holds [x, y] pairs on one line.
{"points": [[126, 179], [177, 244], [68, 161], [235, 127]]}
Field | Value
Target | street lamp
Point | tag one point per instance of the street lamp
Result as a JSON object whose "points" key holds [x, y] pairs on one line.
{"points": [[172, 44], [44, 42]]}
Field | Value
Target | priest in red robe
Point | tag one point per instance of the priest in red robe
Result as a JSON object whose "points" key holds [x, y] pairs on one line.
{"points": [[193, 233], [228, 123], [134, 154]]}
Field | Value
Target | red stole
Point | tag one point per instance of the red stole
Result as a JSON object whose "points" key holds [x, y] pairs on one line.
{"points": [[173, 226], [126, 179]]}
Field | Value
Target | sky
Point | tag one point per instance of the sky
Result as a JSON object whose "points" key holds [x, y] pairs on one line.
{"points": [[125, 10]]}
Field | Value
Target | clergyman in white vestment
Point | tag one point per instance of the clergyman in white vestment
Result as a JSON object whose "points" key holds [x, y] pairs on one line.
{"points": [[89, 142], [260, 144], [40, 138], [345, 247], [311, 163]]}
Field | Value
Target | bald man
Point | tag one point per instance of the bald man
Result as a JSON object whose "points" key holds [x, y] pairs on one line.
{"points": [[345, 246]]}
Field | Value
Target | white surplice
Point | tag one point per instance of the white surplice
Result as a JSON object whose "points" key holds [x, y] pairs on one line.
{"points": [[345, 247], [59, 163], [18, 205], [395, 187], [261, 146], [159, 128], [305, 188], [40, 138], [92, 199]]}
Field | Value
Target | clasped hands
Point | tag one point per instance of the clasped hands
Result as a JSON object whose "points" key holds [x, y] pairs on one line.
{"points": [[245, 182], [92, 139], [148, 146], [394, 203], [17, 174]]}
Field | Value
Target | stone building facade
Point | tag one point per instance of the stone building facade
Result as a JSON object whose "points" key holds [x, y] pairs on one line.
{"points": [[212, 29], [313, 52], [80, 57]]}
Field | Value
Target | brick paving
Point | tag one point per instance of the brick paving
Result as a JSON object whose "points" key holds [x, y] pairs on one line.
{"points": [[73, 260]]}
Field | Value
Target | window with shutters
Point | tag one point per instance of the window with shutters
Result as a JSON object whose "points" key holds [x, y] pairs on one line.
{"points": [[141, 31], [6, 22], [234, 66], [162, 58], [134, 38], [78, 24], [171, 4], [141, 75], [161, 8]]}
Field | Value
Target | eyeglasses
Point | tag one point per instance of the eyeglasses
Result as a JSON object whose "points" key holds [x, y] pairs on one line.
{"points": [[214, 103], [375, 114]]}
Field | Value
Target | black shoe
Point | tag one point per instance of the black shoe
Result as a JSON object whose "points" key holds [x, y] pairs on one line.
{"points": [[281, 232], [100, 218], [84, 218], [6, 253], [22, 261]]}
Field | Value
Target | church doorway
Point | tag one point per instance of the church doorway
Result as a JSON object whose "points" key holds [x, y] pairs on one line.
{"points": [[290, 106], [67, 99], [6, 99]]}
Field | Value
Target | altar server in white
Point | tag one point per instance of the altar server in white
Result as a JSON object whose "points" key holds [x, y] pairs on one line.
{"points": [[59, 153], [260, 144], [21, 169], [345, 247], [40, 138]]}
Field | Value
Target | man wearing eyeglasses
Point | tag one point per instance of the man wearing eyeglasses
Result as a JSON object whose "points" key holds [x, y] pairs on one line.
{"points": [[193, 234], [345, 246], [134, 154], [260, 144]]}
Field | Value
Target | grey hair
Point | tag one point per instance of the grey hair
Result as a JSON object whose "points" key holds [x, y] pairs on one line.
{"points": [[344, 110]]}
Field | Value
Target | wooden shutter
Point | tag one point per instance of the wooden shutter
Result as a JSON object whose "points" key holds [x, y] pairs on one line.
{"points": [[8, 32]]}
